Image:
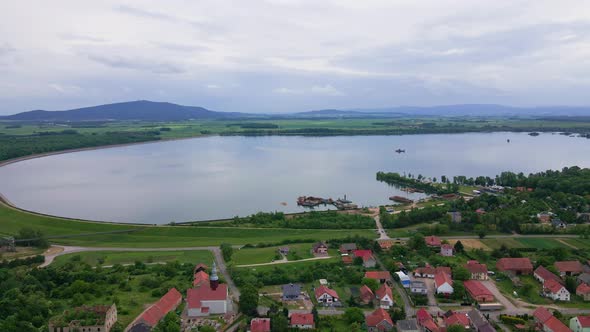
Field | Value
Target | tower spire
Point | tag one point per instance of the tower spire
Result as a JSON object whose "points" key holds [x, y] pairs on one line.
{"points": [[213, 279]]}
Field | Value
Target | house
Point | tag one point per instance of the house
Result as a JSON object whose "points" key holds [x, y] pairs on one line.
{"points": [[478, 271], [544, 217], [347, 260], [291, 292], [378, 321], [456, 318], [284, 251], [569, 268], [478, 291], [455, 216], [347, 248], [432, 241], [583, 278], [425, 321], [382, 276], [429, 271], [85, 318], [541, 315], [385, 296], [301, 321], [326, 296], [555, 325], [407, 325], [580, 324], [516, 266], [260, 325], [418, 287], [366, 295], [200, 267], [446, 250], [200, 278], [555, 290], [367, 256], [387, 244], [542, 275], [319, 249], [404, 279], [443, 283], [154, 313], [207, 299], [583, 290], [478, 322], [422, 315], [558, 223]]}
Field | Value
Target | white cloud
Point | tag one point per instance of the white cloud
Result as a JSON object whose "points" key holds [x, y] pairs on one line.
{"points": [[326, 90], [213, 86], [287, 91]]}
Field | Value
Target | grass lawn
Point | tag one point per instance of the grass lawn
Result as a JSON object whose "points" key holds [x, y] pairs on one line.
{"points": [[12, 220], [254, 255], [119, 257], [508, 289], [508, 242], [578, 243], [542, 243]]}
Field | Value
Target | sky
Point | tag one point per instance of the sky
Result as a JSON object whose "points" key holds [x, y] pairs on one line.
{"points": [[286, 55]]}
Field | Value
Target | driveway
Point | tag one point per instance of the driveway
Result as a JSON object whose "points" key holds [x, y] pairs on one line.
{"points": [[508, 306]]}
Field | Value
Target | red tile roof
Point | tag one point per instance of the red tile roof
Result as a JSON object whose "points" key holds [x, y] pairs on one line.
{"points": [[583, 289], [430, 325], [514, 264], [476, 288], [366, 294], [553, 286], [201, 266], [556, 325], [385, 244], [422, 315], [542, 314], [584, 321], [569, 266], [362, 253], [325, 290], [384, 290], [158, 310], [377, 317], [446, 246], [260, 325], [302, 319], [378, 275], [476, 267], [432, 241], [440, 278], [546, 274], [347, 259], [194, 296], [200, 278], [457, 319]]}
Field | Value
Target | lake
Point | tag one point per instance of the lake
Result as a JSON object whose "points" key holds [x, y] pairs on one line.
{"points": [[221, 177]]}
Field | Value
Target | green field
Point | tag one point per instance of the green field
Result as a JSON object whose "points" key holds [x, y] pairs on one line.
{"points": [[297, 251], [541, 243], [508, 242], [11, 220], [107, 258], [578, 243]]}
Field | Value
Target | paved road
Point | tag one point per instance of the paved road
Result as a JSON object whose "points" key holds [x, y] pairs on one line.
{"points": [[382, 233], [508, 306], [285, 261]]}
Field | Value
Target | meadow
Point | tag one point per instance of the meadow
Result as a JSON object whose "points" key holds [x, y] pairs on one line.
{"points": [[109, 258]]}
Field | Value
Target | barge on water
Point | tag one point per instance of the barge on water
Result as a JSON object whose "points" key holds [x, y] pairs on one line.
{"points": [[340, 204], [401, 199]]}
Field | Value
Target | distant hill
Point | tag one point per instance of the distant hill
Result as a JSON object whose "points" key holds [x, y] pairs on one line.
{"points": [[134, 110]]}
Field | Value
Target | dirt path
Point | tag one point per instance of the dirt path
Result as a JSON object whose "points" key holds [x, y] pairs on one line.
{"points": [[285, 261]]}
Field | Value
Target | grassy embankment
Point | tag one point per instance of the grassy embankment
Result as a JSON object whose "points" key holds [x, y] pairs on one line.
{"points": [[12, 220], [107, 258]]}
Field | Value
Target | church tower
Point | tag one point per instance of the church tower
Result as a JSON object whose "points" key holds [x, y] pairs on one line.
{"points": [[214, 279]]}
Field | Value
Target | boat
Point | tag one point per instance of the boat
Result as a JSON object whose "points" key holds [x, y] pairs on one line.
{"points": [[400, 151], [401, 199]]}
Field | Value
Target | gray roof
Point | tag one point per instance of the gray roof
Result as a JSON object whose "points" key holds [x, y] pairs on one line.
{"points": [[291, 290], [487, 327], [348, 246], [407, 325], [418, 284], [476, 318], [584, 277]]}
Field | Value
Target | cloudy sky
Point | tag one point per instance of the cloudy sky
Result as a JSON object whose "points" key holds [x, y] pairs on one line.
{"points": [[288, 55]]}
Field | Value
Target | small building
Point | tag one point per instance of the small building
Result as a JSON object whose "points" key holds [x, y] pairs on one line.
{"points": [[418, 287], [558, 223], [407, 325], [446, 250], [542, 275], [541, 315], [327, 296], [385, 296], [580, 324], [425, 321], [478, 291], [260, 325], [544, 217], [478, 322], [583, 290], [381, 276], [200, 278], [347, 248], [583, 278], [555, 325], [301, 321], [432, 241], [455, 216], [366, 295], [379, 321], [478, 271], [516, 266], [291, 292], [347, 259], [555, 290], [154, 313], [284, 251], [319, 249], [443, 283], [367, 257], [456, 318], [91, 319], [429, 271], [569, 268], [404, 279]]}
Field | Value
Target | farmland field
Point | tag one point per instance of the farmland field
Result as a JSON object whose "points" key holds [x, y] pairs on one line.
{"points": [[541, 243]]}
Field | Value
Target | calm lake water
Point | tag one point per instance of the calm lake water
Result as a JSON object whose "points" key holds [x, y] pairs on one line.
{"points": [[221, 177]]}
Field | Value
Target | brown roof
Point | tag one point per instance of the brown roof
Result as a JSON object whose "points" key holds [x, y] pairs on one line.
{"points": [[366, 294], [542, 314], [583, 289], [569, 266], [347, 259], [158, 310], [260, 325], [476, 267], [553, 286], [476, 288], [556, 325], [378, 275], [514, 264], [384, 290], [302, 319], [325, 290], [377, 317], [546, 274], [441, 278], [432, 241]]}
